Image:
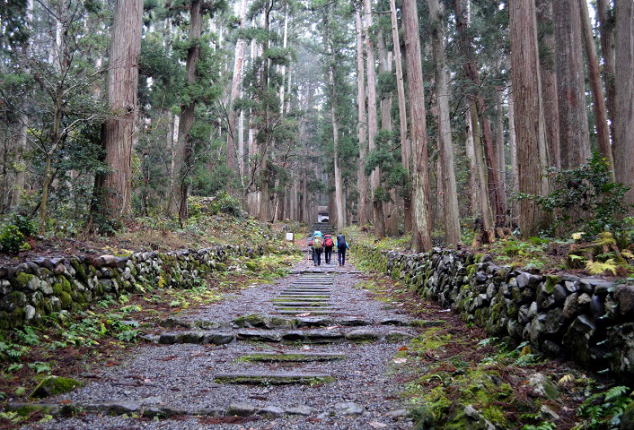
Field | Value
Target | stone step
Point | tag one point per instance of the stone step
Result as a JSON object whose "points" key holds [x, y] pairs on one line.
{"points": [[154, 408], [281, 299], [196, 336], [273, 322], [307, 290], [284, 312], [290, 357], [305, 309], [302, 304], [273, 378]]}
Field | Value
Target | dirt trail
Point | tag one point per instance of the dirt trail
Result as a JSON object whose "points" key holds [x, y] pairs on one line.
{"points": [[312, 351]]}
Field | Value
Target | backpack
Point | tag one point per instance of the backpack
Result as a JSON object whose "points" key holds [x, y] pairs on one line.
{"points": [[317, 243], [328, 242], [341, 241]]}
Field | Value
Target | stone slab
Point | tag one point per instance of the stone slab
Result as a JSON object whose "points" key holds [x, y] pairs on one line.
{"points": [[273, 378]]}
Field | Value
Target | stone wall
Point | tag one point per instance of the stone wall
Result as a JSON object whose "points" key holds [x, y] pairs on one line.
{"points": [[34, 289], [588, 320]]}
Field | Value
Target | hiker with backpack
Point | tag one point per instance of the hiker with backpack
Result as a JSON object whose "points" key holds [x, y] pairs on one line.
{"points": [[342, 246], [317, 247], [328, 245]]}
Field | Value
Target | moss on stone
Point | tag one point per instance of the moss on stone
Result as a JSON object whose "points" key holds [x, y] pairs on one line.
{"points": [[551, 283], [251, 320], [66, 299], [23, 279], [54, 385]]}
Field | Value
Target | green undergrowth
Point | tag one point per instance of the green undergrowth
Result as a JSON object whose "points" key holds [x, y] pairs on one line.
{"points": [[66, 344]]}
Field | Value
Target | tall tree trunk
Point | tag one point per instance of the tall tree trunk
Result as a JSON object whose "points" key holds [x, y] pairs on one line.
{"points": [[474, 200], [406, 150], [549, 81], [514, 167], [373, 122], [233, 161], [185, 144], [449, 189], [339, 207], [470, 67], [123, 77], [487, 217], [573, 120], [362, 125], [529, 118], [600, 110], [421, 236], [624, 127], [385, 66], [606, 29]]}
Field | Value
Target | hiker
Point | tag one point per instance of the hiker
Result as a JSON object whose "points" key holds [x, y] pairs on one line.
{"points": [[317, 247], [342, 246], [328, 245], [311, 255]]}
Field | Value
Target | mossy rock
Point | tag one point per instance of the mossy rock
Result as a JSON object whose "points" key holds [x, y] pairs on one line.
{"points": [[251, 320], [18, 298], [551, 283], [22, 279], [54, 385], [66, 299]]}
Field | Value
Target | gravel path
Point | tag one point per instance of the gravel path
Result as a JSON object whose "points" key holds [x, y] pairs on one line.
{"points": [[178, 381]]}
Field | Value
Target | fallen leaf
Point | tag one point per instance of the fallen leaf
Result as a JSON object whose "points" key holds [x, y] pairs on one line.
{"points": [[403, 348], [400, 360]]}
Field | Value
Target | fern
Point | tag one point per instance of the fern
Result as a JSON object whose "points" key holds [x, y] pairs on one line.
{"points": [[599, 268]]}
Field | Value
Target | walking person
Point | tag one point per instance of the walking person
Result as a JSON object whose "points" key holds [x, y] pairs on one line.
{"points": [[328, 245], [317, 247], [342, 246]]}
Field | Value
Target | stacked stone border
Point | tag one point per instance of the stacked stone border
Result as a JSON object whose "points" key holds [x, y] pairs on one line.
{"points": [[586, 320], [35, 289]]}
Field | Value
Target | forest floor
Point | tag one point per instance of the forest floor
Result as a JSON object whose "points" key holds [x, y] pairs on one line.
{"points": [[156, 234], [326, 348]]}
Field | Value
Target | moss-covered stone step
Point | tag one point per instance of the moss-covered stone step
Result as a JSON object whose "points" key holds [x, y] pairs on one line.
{"points": [[216, 338], [290, 357], [274, 378]]}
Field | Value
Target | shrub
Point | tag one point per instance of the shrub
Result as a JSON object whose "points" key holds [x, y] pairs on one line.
{"points": [[227, 204], [11, 239], [586, 199], [25, 224]]}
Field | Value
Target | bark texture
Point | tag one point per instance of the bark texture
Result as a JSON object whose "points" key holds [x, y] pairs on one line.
{"points": [[573, 120], [606, 29], [185, 144], [450, 195], [406, 150], [118, 133], [479, 106], [373, 122], [421, 210], [624, 127], [549, 80], [599, 107], [361, 125], [529, 125]]}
